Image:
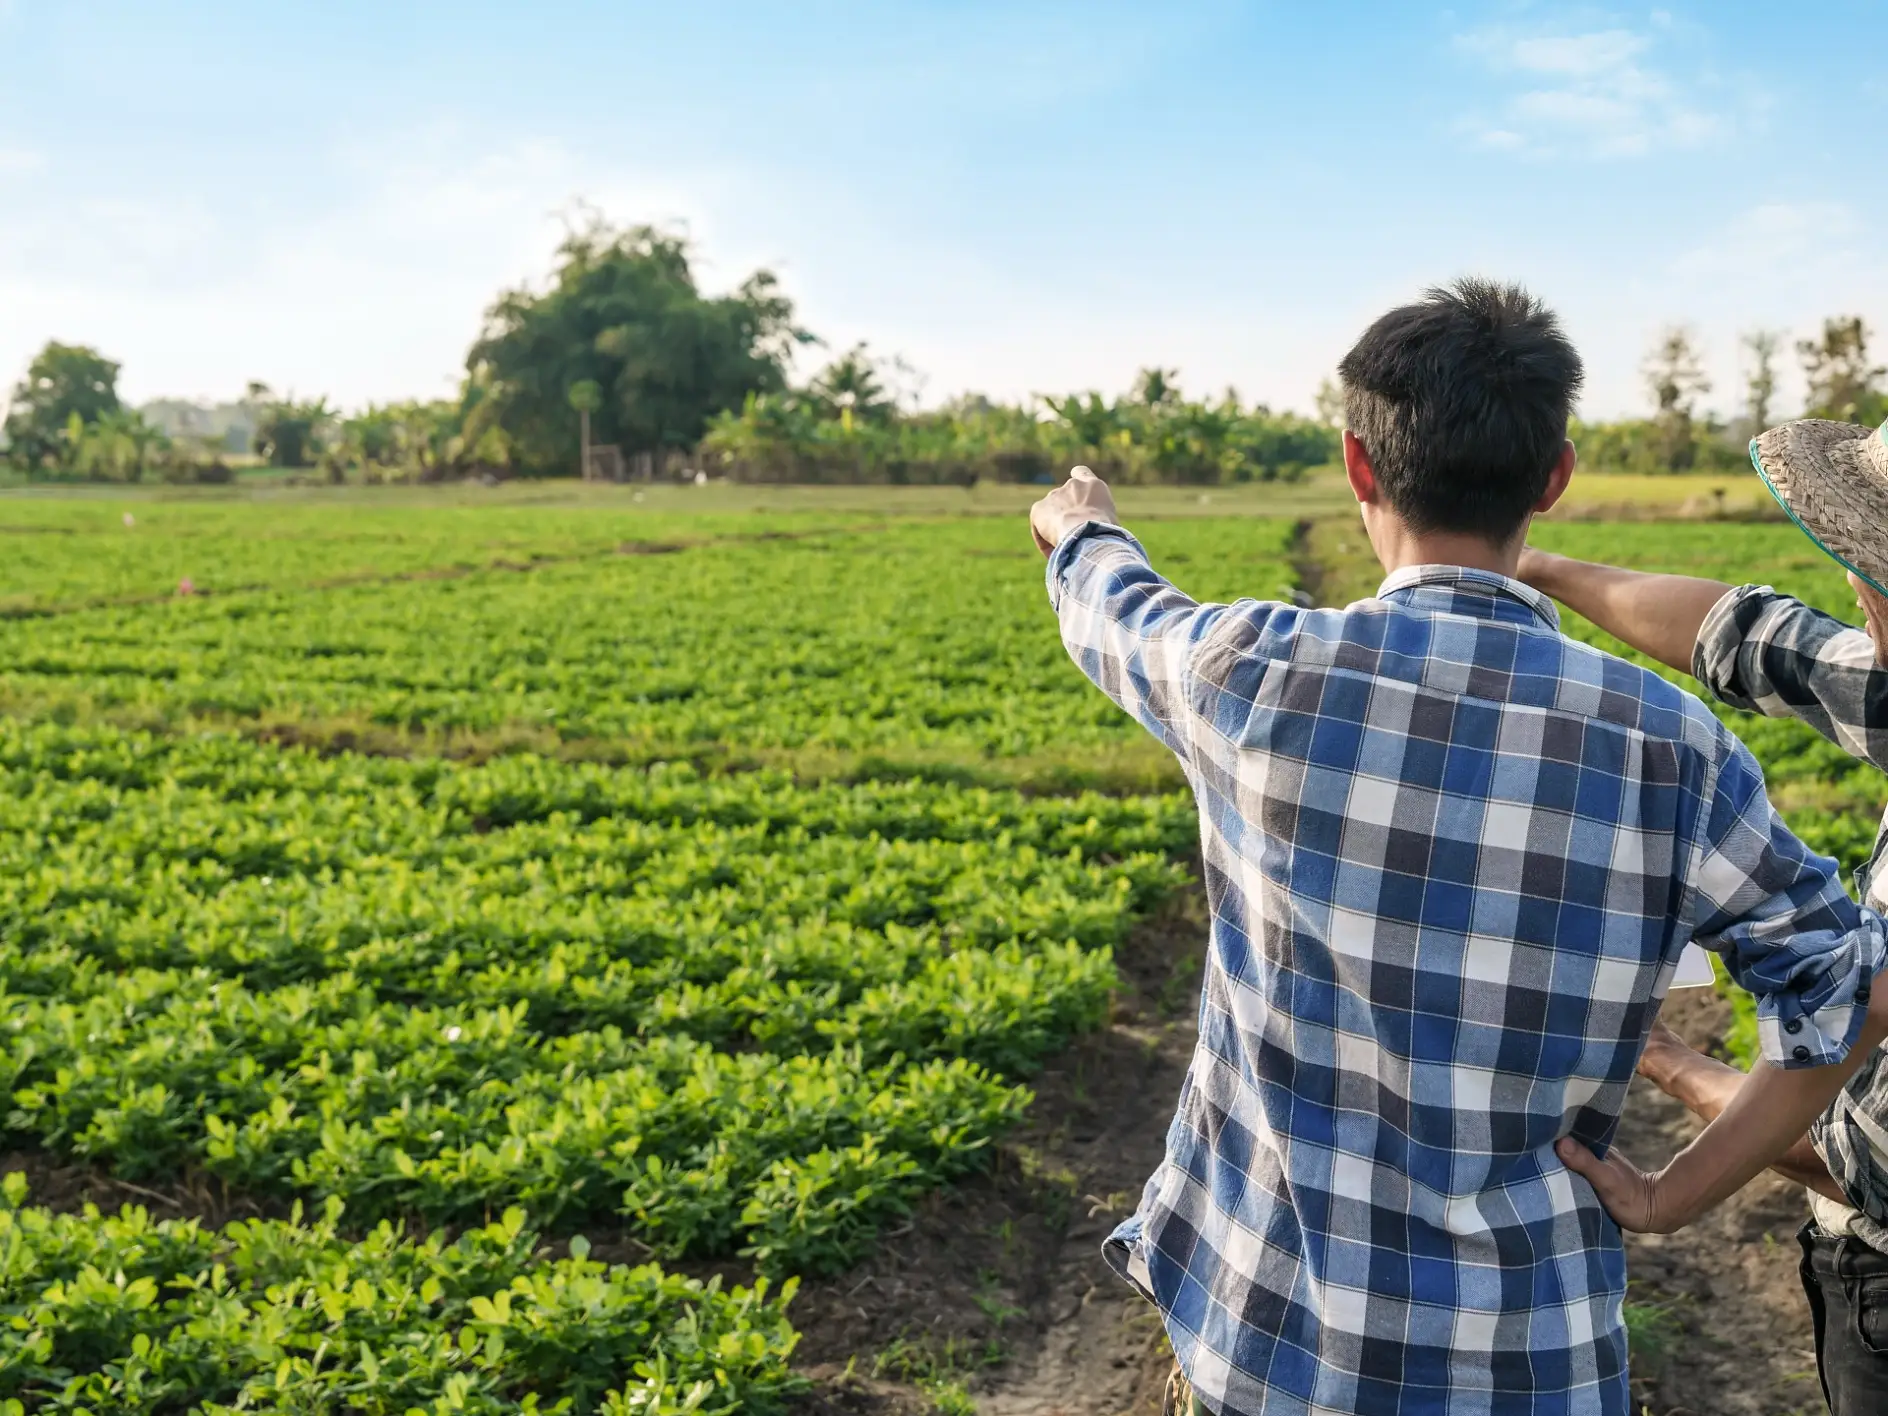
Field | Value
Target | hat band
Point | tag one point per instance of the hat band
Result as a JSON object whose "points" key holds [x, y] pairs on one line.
{"points": [[1756, 460]]}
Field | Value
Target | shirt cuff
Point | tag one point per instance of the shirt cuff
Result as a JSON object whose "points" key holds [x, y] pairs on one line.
{"points": [[1721, 640], [1069, 548], [1818, 1025], [1123, 1253]]}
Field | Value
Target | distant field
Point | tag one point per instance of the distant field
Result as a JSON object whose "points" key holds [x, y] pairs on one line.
{"points": [[1321, 493]]}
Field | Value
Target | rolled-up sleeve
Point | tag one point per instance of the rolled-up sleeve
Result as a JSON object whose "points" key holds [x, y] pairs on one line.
{"points": [[1777, 914], [1131, 632], [1772, 654]]}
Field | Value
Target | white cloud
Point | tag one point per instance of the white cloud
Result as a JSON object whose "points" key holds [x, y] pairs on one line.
{"points": [[1777, 243], [1583, 56], [375, 293], [1597, 93], [375, 287], [15, 161]]}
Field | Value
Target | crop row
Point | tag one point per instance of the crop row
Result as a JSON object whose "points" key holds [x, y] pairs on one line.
{"points": [[66, 554], [935, 636], [737, 1014], [125, 1315]]}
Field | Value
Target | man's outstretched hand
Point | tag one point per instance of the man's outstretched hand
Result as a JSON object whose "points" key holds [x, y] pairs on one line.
{"points": [[1084, 497]]}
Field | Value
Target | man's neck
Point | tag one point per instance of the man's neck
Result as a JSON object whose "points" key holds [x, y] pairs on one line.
{"points": [[1407, 548]]}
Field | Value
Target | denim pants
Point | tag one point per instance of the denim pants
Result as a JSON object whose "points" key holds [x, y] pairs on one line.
{"points": [[1847, 1286]]}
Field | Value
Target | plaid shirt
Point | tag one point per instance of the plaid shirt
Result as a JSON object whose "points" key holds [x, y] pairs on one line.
{"points": [[1452, 858], [1773, 654]]}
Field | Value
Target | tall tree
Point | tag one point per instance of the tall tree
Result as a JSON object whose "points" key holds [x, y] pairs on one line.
{"points": [[63, 381], [1842, 383], [1760, 380], [1676, 380], [623, 311], [586, 398], [1330, 402], [1155, 387], [852, 389], [289, 434]]}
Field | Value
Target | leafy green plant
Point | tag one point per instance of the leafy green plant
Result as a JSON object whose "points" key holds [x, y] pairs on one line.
{"points": [[123, 1313]]}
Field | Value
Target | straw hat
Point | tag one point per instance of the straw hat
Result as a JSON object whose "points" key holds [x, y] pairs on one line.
{"points": [[1832, 479]]}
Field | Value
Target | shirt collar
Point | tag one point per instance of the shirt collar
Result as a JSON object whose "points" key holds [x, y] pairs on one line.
{"points": [[1427, 583]]}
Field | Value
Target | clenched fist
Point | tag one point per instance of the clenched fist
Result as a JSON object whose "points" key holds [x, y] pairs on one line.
{"points": [[1084, 497]]}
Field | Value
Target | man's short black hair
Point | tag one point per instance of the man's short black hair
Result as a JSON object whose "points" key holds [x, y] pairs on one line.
{"points": [[1462, 402]]}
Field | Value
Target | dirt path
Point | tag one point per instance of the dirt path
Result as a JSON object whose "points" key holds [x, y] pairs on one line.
{"points": [[996, 1289], [1100, 1349]]}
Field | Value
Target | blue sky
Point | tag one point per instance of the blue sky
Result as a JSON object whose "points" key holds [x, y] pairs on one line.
{"points": [[1014, 196]]}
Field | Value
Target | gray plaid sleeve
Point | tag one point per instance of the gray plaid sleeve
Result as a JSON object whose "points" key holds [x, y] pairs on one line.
{"points": [[1772, 654], [1852, 1139], [1777, 914], [1132, 633]]}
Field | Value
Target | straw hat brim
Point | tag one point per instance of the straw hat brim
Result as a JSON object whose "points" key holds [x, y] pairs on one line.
{"points": [[1832, 479]]}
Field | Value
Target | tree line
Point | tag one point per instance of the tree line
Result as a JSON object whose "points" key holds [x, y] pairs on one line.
{"points": [[622, 346], [1841, 378]]}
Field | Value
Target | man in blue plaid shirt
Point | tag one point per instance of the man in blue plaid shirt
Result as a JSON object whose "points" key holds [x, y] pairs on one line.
{"points": [[1452, 858]]}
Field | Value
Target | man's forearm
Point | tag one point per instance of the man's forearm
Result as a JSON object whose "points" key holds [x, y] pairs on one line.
{"points": [[1705, 1086], [1759, 1126], [1659, 615]]}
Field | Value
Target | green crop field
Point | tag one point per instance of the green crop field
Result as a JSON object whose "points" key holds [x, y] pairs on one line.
{"points": [[634, 980], [472, 887]]}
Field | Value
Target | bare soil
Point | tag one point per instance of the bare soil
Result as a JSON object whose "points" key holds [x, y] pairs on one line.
{"points": [[69, 1186], [998, 1285]]}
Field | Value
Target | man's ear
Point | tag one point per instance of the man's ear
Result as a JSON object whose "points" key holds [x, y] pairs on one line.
{"points": [[1558, 478], [1358, 471]]}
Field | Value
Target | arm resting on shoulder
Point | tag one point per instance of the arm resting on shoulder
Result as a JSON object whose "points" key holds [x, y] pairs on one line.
{"points": [[1751, 647], [1659, 615]]}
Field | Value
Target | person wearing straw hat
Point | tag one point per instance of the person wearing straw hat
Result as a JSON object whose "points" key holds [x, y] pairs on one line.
{"points": [[1770, 653]]}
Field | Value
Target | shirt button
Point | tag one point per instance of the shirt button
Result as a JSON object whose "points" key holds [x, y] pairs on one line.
{"points": [[1801, 1054], [1793, 1026], [1861, 994]]}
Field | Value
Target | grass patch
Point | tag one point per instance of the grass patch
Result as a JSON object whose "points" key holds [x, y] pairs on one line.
{"points": [[940, 1371], [1651, 1330]]}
